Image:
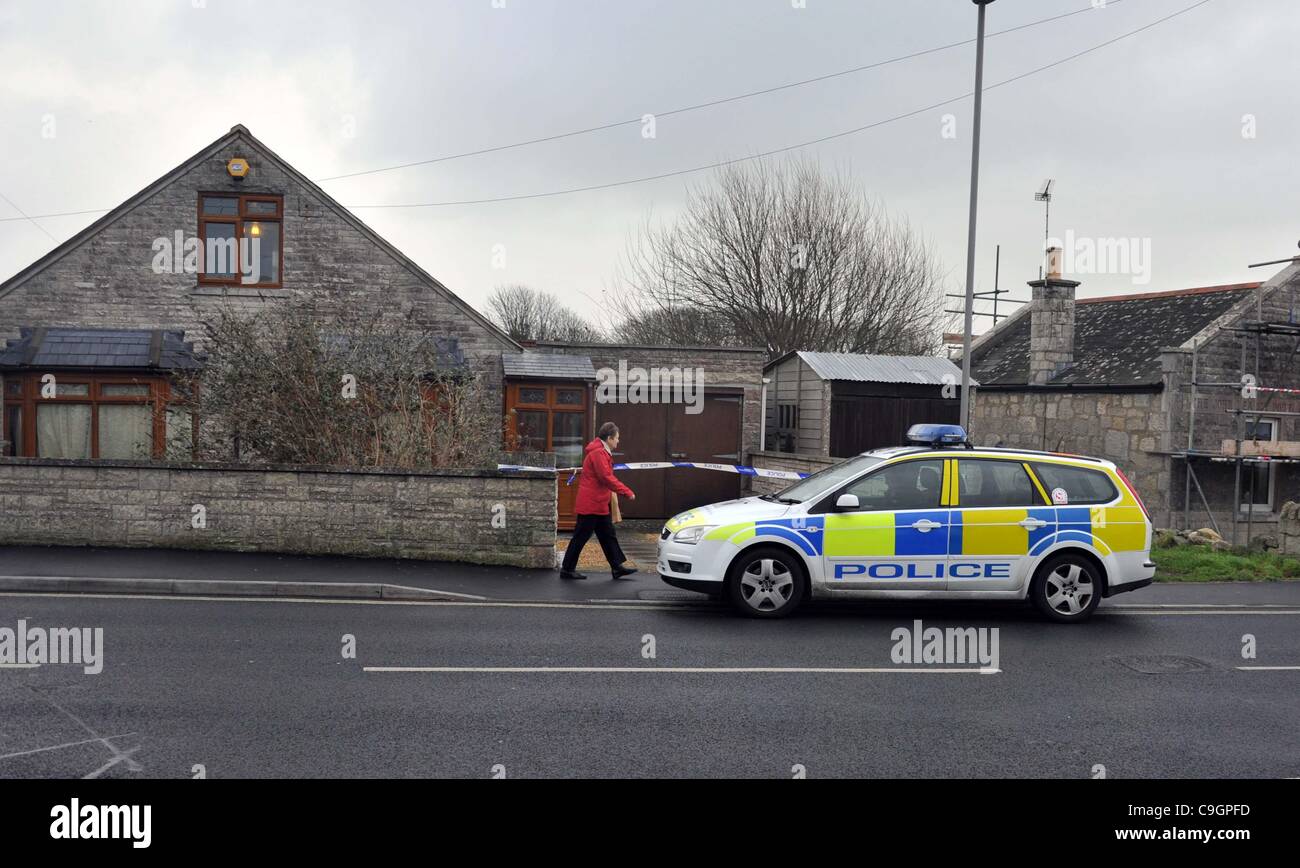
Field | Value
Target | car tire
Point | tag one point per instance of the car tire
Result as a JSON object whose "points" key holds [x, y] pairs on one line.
{"points": [[766, 582], [1067, 588]]}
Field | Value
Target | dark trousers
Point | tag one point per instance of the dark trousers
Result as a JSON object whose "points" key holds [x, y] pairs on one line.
{"points": [[603, 527]]}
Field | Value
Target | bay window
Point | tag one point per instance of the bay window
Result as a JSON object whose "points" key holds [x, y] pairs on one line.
{"points": [[89, 416]]}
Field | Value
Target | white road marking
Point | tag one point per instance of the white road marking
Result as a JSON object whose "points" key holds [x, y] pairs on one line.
{"points": [[1195, 605], [254, 582], [20, 665], [4, 756], [707, 670], [489, 604], [1242, 610], [1269, 668], [637, 606], [118, 755]]}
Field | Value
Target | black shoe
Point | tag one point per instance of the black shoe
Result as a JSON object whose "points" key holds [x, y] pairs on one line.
{"points": [[570, 574], [623, 571]]}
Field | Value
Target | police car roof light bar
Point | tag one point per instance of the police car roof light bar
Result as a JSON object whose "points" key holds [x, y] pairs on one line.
{"points": [[936, 436]]}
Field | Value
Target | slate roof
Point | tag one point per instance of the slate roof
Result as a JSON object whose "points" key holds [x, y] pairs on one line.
{"points": [[547, 366], [99, 348], [864, 368], [1117, 339]]}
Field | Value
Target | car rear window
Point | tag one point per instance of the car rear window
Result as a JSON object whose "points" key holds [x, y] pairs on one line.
{"points": [[1079, 485], [995, 483]]}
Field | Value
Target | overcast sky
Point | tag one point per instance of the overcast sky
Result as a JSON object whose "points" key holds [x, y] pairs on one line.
{"points": [[1147, 138]]}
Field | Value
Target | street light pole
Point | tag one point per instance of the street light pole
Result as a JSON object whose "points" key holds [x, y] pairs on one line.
{"points": [[970, 237]]}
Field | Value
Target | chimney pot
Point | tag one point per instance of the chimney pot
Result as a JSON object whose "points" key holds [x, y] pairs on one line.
{"points": [[1054, 262]]}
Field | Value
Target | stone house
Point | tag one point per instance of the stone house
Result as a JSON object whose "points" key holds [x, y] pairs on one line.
{"points": [[1154, 382], [117, 309]]}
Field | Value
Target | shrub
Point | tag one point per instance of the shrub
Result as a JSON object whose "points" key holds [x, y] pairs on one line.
{"points": [[291, 386]]}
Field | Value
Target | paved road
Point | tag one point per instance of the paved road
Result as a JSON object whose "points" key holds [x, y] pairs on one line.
{"points": [[260, 688]]}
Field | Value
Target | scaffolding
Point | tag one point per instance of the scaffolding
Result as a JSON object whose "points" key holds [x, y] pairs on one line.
{"points": [[1248, 389]]}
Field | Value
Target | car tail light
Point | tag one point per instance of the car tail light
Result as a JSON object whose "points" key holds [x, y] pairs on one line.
{"points": [[1133, 491]]}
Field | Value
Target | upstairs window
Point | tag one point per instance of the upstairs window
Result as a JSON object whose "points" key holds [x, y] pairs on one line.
{"points": [[242, 239]]}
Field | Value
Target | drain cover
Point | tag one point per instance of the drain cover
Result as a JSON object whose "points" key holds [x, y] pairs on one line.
{"points": [[1162, 664]]}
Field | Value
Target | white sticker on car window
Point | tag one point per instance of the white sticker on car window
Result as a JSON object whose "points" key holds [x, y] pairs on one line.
{"points": [[1059, 497]]}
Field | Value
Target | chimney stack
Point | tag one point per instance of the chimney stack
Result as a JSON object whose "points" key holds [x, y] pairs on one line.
{"points": [[1051, 323]]}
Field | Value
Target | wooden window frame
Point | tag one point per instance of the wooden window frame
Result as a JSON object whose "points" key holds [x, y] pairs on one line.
{"points": [[550, 406], [238, 220], [158, 399]]}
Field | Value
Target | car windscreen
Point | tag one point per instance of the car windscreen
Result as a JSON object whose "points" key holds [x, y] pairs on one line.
{"points": [[831, 477]]}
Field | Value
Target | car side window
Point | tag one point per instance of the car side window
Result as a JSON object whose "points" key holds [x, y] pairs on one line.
{"points": [[906, 485], [995, 483], [1081, 486]]}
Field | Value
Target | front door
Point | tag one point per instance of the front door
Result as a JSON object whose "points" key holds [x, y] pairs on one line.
{"points": [[897, 538], [666, 432], [552, 417]]}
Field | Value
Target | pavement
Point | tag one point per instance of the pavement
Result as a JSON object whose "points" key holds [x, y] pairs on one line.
{"points": [[261, 687], [181, 572]]}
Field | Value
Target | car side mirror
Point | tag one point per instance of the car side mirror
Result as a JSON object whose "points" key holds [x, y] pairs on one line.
{"points": [[847, 501]]}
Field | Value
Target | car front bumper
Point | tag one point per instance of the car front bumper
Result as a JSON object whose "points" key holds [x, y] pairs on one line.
{"points": [[688, 566]]}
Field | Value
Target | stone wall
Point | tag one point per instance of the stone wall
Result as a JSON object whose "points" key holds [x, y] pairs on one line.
{"points": [[445, 515], [784, 461], [1125, 427]]}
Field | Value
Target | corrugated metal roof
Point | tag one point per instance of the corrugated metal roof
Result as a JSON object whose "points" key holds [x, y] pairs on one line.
{"points": [[919, 370], [547, 366], [99, 348]]}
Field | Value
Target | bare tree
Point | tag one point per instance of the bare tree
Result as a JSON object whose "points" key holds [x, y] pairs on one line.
{"points": [[527, 314], [786, 258], [679, 326]]}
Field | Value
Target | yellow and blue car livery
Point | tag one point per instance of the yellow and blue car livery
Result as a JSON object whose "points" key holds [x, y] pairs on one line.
{"points": [[955, 549]]}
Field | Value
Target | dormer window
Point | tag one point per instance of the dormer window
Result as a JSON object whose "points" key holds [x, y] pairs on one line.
{"points": [[241, 238]]}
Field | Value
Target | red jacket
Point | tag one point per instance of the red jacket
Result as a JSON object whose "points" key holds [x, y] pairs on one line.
{"points": [[597, 480]]}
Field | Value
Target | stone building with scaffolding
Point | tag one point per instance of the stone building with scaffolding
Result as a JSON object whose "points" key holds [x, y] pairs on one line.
{"points": [[1194, 393]]}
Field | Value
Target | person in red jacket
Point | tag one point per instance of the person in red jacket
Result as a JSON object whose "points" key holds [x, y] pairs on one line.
{"points": [[596, 483]]}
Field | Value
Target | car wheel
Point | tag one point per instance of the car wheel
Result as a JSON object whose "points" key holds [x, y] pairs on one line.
{"points": [[766, 583], [1067, 588]]}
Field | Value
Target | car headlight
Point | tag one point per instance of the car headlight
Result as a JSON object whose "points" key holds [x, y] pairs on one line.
{"points": [[692, 535]]}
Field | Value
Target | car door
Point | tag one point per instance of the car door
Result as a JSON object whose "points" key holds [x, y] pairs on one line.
{"points": [[897, 537], [1000, 515]]}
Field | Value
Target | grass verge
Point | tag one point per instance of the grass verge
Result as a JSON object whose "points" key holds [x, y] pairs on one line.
{"points": [[1200, 563]]}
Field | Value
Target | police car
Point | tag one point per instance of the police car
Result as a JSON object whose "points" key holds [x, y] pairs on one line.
{"points": [[939, 519]]}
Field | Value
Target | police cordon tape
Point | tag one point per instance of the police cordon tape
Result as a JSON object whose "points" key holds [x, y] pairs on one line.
{"points": [[662, 465]]}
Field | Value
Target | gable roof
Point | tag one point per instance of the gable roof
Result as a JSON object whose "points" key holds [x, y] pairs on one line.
{"points": [[240, 133], [1117, 339], [99, 348], [865, 368]]}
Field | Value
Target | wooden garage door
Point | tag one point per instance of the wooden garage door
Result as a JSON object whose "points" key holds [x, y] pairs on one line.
{"points": [[665, 432]]}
